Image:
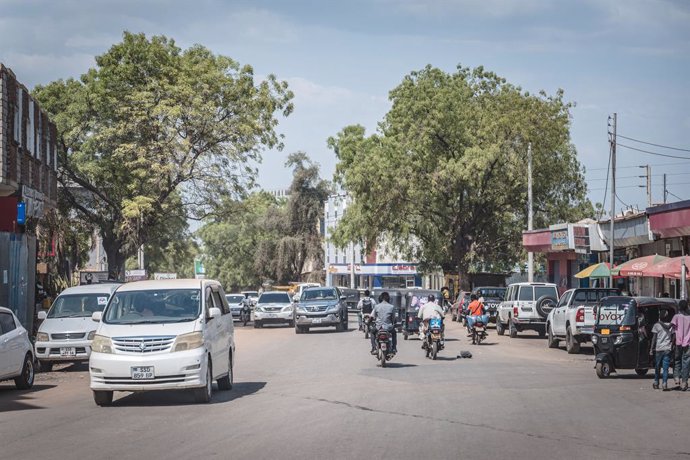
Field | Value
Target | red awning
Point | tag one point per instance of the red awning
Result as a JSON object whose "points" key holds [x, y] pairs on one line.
{"points": [[537, 240], [669, 221], [669, 268]]}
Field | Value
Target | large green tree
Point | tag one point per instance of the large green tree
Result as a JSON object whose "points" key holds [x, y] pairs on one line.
{"points": [[152, 122], [445, 176]]}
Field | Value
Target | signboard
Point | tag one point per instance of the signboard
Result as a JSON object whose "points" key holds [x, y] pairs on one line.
{"points": [[377, 269], [93, 277], [571, 237], [21, 213], [559, 240], [135, 275], [199, 269], [165, 276], [581, 239]]}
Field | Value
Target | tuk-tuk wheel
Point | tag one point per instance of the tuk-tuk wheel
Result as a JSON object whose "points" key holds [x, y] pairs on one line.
{"points": [[603, 370]]}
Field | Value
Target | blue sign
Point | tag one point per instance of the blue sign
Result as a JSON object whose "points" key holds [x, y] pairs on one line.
{"points": [[21, 213]]}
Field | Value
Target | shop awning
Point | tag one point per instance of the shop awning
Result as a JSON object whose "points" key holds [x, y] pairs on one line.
{"points": [[600, 270], [670, 220], [669, 268], [636, 266], [537, 240], [632, 230]]}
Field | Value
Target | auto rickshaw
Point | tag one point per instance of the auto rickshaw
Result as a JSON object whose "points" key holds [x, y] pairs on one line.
{"points": [[415, 299], [622, 332], [397, 300]]}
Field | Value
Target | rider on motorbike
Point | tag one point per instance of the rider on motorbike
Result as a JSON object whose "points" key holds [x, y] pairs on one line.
{"points": [[365, 306], [476, 312], [429, 310], [384, 315]]}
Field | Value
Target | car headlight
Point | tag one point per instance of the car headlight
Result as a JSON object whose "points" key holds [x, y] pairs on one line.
{"points": [[300, 309], [188, 341], [42, 337], [258, 309], [90, 336], [288, 308], [101, 344], [333, 309]]}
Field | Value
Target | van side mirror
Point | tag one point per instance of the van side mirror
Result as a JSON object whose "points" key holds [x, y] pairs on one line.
{"points": [[42, 315], [96, 316], [214, 312]]}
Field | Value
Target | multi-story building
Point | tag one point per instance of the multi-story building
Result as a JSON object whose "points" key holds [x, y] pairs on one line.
{"points": [[28, 187], [384, 267]]}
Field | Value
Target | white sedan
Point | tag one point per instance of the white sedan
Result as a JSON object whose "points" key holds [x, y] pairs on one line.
{"points": [[16, 352]]}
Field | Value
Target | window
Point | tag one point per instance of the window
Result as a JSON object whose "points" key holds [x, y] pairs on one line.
{"points": [[526, 293], [581, 296], [78, 305], [540, 291], [275, 297], [153, 306], [18, 117], [30, 128], [6, 323], [218, 301], [565, 299]]}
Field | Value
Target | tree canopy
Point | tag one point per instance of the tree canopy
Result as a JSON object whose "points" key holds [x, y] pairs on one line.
{"points": [[153, 128], [445, 176]]}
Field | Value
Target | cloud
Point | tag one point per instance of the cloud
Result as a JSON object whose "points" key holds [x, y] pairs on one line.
{"points": [[492, 8]]}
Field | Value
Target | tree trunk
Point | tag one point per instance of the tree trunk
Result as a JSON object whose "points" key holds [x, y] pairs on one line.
{"points": [[116, 258]]}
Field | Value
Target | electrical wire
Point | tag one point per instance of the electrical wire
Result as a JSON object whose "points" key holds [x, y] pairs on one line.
{"points": [[606, 187], [622, 202], [637, 166], [653, 153], [652, 143]]}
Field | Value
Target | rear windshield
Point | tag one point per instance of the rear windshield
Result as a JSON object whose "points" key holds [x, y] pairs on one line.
{"points": [[319, 294], [616, 312], [526, 293], [78, 305], [276, 297], [251, 293], [234, 299], [494, 293], [550, 291]]}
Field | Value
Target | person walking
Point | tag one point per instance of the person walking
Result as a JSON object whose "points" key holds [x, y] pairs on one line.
{"points": [[661, 349], [681, 327]]}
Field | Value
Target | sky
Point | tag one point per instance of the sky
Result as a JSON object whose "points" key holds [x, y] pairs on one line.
{"points": [[341, 58]]}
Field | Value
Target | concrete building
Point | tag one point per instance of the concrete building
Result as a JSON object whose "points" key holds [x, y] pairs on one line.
{"points": [[28, 188]]}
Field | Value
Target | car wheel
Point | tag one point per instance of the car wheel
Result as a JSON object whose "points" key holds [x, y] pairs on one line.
{"points": [[291, 323], [572, 346], [551, 340], [603, 370], [103, 398], [339, 327], [405, 335], [225, 383], [298, 330], [641, 372], [25, 380], [500, 329], [45, 366], [257, 324], [203, 394], [513, 329]]}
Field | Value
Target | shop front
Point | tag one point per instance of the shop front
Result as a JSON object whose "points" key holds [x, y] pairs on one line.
{"points": [[371, 276]]}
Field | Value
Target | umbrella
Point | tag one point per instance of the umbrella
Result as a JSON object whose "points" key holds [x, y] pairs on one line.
{"points": [[600, 270], [636, 266], [669, 268]]}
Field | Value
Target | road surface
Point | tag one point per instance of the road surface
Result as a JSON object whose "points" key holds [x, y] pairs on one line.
{"points": [[321, 395]]}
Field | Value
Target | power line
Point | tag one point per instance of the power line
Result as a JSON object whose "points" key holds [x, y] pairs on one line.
{"points": [[642, 176], [621, 201], [606, 187], [639, 186], [655, 145], [654, 153], [637, 166], [671, 193]]}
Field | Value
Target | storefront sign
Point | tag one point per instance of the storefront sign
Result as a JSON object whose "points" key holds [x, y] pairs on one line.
{"points": [[571, 237], [165, 276], [374, 269], [559, 240], [581, 239], [135, 275]]}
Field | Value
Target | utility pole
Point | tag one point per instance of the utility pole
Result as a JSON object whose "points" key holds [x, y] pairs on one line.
{"points": [[665, 191], [613, 193], [648, 185], [352, 265], [530, 223]]}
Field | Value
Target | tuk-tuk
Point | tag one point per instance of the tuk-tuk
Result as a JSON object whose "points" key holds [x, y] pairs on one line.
{"points": [[623, 332], [415, 299], [397, 300]]}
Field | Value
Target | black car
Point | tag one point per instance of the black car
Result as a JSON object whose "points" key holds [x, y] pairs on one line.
{"points": [[493, 296]]}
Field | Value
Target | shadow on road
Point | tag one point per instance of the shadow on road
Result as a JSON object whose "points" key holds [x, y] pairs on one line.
{"points": [[399, 365], [181, 397], [12, 399], [70, 367]]}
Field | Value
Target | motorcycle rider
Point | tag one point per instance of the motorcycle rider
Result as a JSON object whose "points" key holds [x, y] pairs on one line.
{"points": [[429, 310], [365, 306], [384, 315], [476, 311]]}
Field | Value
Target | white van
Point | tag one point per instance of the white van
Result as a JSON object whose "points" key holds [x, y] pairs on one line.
{"points": [[163, 335], [67, 330]]}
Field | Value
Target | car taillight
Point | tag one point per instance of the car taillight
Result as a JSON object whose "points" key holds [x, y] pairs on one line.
{"points": [[580, 315], [515, 311]]}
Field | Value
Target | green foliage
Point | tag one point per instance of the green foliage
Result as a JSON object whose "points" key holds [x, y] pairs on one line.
{"points": [[445, 178], [152, 123]]}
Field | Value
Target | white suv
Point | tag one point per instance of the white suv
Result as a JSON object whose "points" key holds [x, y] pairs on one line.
{"points": [[526, 307], [16, 353]]}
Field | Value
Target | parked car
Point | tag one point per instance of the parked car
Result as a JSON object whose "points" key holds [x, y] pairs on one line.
{"points": [[573, 318], [493, 296], [163, 335], [236, 302], [16, 352], [274, 307], [66, 330], [320, 307], [526, 307]]}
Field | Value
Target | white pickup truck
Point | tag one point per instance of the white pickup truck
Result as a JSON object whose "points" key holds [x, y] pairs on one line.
{"points": [[573, 318]]}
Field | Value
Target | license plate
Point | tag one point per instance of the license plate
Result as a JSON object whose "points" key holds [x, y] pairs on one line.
{"points": [[143, 373], [316, 320], [71, 351], [604, 340], [271, 315], [605, 331]]}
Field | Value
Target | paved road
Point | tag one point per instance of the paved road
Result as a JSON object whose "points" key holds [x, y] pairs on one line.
{"points": [[320, 395]]}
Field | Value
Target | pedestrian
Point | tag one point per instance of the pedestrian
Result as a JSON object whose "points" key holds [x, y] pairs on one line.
{"points": [[681, 327], [662, 348]]}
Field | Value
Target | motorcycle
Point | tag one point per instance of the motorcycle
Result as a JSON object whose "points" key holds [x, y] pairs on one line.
{"points": [[245, 314], [478, 331], [433, 340], [366, 326], [384, 346]]}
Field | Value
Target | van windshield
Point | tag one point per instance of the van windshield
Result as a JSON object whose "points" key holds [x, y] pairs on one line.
{"points": [[153, 306], [78, 305]]}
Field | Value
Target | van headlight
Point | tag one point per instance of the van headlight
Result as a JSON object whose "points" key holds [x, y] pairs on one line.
{"points": [[188, 341], [91, 335], [101, 344], [42, 337]]}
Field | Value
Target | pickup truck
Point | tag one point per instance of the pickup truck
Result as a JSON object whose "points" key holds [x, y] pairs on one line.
{"points": [[573, 318]]}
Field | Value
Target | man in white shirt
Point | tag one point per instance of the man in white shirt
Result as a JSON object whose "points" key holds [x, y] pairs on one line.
{"points": [[429, 310]]}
